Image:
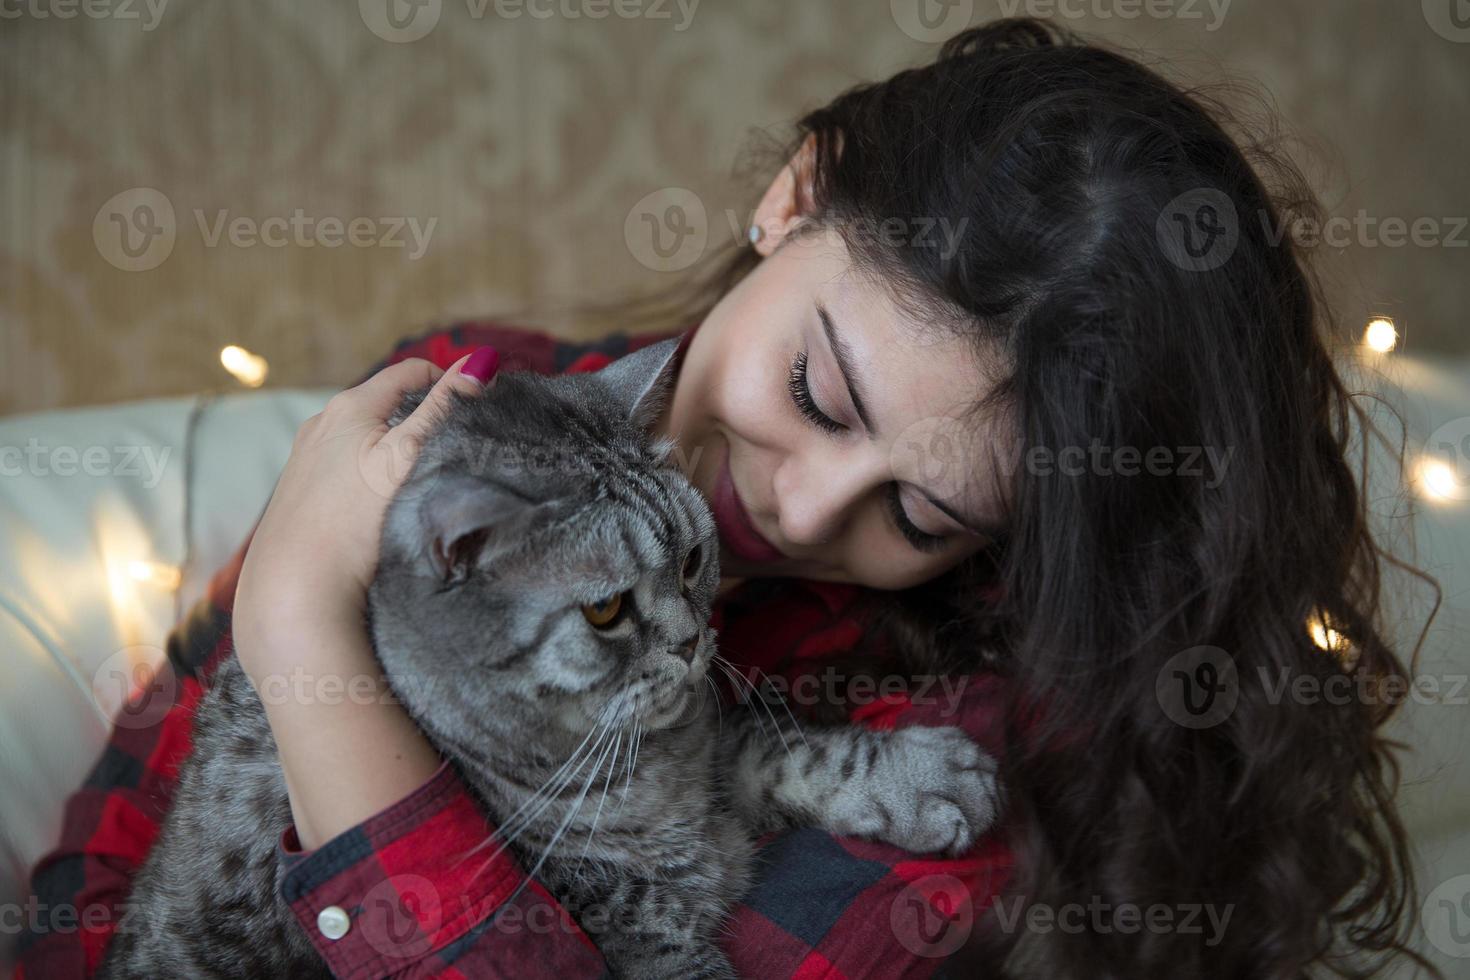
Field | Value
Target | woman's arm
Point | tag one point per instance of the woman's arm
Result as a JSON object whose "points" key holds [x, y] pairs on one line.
{"points": [[301, 600]]}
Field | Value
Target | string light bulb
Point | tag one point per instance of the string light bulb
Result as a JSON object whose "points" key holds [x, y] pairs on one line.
{"points": [[165, 577], [1437, 481], [1329, 639], [249, 369], [1325, 636], [1381, 335]]}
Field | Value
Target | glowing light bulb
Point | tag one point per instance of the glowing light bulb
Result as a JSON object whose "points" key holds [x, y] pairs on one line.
{"points": [[1328, 638], [153, 573], [249, 369], [1325, 637], [1381, 335], [1437, 480]]}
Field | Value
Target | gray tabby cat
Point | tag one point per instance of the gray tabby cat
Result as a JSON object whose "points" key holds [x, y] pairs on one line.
{"points": [[541, 609]]}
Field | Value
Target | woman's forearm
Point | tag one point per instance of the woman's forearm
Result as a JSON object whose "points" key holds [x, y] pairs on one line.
{"points": [[347, 748]]}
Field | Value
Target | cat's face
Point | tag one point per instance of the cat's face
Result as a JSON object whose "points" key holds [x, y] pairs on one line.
{"points": [[545, 562]]}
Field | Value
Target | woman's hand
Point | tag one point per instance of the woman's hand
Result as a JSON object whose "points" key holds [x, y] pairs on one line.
{"points": [[347, 751]]}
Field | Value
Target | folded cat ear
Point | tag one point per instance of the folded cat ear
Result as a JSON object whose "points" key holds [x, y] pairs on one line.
{"points": [[641, 382], [464, 517]]}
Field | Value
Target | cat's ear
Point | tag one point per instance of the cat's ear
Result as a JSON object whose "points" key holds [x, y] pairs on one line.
{"points": [[462, 517], [642, 382]]}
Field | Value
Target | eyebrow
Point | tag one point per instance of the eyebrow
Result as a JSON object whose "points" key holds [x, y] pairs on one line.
{"points": [[854, 383], [845, 366]]}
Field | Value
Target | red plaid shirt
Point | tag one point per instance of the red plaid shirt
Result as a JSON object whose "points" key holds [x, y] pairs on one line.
{"points": [[822, 906]]}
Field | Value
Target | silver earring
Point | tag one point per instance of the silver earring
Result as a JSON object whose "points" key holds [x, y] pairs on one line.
{"points": [[756, 234]]}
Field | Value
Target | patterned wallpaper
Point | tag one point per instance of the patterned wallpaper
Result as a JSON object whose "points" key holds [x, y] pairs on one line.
{"points": [[315, 180]]}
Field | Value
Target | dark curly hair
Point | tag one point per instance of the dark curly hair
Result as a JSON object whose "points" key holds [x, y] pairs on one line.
{"points": [[1069, 168]]}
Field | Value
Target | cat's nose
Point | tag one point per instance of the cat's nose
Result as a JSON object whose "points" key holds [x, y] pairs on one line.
{"points": [[686, 652]]}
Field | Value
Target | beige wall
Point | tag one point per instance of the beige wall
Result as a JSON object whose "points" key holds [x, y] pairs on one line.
{"points": [[530, 142]]}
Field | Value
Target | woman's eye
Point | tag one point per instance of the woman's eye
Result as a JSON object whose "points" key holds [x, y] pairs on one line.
{"points": [[801, 394], [605, 613], [920, 539]]}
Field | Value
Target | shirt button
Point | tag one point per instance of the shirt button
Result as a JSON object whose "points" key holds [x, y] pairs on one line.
{"points": [[333, 922]]}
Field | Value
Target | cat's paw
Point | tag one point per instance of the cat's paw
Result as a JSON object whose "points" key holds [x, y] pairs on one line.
{"points": [[941, 792]]}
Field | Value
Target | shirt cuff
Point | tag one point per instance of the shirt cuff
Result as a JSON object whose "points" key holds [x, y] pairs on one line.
{"points": [[379, 898]]}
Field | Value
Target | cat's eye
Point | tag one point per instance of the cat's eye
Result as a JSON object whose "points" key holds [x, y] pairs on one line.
{"points": [[605, 613]]}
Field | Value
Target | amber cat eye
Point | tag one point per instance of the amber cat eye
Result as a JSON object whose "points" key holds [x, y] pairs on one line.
{"points": [[603, 614]]}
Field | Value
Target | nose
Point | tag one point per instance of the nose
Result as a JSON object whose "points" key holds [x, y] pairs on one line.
{"points": [[816, 498], [686, 651]]}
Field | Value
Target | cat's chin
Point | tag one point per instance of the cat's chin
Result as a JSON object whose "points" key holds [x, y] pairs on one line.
{"points": [[682, 708]]}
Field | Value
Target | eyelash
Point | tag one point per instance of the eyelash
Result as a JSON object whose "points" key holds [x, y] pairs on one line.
{"points": [[922, 540], [801, 394]]}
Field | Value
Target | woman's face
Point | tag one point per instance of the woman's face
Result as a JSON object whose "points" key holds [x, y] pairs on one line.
{"points": [[820, 422]]}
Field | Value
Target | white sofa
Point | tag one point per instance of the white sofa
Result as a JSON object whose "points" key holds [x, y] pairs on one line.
{"points": [[83, 495], [71, 615]]}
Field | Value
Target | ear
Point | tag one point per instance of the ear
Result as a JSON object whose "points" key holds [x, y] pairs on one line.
{"points": [[788, 199], [462, 517], [641, 382]]}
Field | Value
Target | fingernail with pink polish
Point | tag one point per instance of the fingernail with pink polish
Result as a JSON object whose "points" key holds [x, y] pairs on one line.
{"points": [[482, 364]]}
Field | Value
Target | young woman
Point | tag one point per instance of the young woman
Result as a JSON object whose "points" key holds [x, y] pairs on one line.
{"points": [[1014, 389]]}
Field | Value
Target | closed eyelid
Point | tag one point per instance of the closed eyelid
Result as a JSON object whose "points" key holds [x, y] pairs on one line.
{"points": [[916, 502], [830, 396], [846, 368]]}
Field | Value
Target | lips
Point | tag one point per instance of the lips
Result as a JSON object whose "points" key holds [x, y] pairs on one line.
{"points": [[737, 531]]}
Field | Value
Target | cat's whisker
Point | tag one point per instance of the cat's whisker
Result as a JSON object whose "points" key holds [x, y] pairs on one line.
{"points": [[604, 729], [736, 676], [719, 708], [552, 779], [562, 827], [794, 723], [796, 726], [733, 676], [612, 767], [549, 791], [633, 744]]}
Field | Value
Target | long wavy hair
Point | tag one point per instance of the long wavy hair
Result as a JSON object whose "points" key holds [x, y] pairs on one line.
{"points": [[1090, 191]]}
